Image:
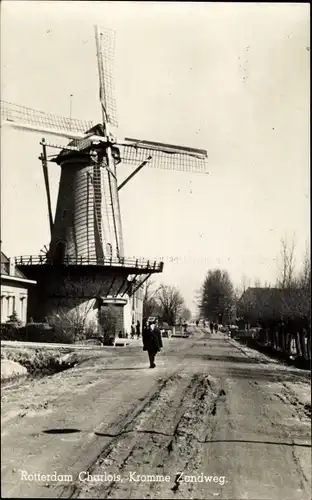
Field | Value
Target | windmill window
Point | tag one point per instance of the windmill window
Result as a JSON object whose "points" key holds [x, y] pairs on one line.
{"points": [[109, 250], [64, 213]]}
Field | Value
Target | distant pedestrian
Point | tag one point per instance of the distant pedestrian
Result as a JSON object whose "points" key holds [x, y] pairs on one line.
{"points": [[152, 342], [132, 331], [138, 328], [197, 323]]}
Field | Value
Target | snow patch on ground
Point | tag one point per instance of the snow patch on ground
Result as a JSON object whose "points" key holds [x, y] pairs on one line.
{"points": [[252, 353], [11, 369], [296, 392]]}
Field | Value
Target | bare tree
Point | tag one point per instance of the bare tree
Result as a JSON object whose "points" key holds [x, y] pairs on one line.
{"points": [[150, 304], [241, 288], [171, 302], [186, 314], [286, 275], [296, 285], [75, 322], [108, 322], [304, 278], [245, 283]]}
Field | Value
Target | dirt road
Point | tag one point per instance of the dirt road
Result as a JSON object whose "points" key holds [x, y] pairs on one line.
{"points": [[212, 420]]}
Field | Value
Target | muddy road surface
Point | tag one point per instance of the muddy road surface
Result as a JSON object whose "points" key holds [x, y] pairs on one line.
{"points": [[213, 420]]}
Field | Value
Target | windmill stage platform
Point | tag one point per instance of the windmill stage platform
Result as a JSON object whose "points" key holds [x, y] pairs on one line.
{"points": [[76, 281], [131, 265]]}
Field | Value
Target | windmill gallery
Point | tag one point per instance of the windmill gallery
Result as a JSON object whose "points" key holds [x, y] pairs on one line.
{"points": [[85, 267]]}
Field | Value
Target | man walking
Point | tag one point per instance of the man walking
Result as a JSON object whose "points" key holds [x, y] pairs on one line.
{"points": [[138, 328], [152, 342]]}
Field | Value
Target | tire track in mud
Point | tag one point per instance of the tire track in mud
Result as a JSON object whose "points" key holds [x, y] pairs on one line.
{"points": [[164, 438], [122, 425], [116, 430], [122, 431], [288, 397]]}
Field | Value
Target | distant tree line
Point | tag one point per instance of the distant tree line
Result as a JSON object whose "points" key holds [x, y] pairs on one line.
{"points": [[219, 301]]}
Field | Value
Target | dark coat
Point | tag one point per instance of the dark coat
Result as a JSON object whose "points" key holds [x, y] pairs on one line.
{"points": [[152, 341]]}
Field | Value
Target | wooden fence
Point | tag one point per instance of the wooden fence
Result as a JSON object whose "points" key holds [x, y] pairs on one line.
{"points": [[290, 343], [287, 341]]}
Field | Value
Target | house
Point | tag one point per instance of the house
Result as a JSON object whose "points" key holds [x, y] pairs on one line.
{"points": [[133, 310], [14, 291], [258, 304]]}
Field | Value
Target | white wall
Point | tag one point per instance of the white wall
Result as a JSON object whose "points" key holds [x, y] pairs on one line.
{"points": [[128, 316], [13, 297], [133, 311]]}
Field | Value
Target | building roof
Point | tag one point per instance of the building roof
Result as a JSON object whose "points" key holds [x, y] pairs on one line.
{"points": [[270, 303], [5, 268], [4, 258]]}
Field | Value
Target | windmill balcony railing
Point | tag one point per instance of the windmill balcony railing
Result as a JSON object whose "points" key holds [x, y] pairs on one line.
{"points": [[30, 260]]}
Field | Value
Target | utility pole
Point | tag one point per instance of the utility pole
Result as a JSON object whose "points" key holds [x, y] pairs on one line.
{"points": [[70, 110]]}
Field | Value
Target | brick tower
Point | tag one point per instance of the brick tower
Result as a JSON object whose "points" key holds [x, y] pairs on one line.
{"points": [[85, 267]]}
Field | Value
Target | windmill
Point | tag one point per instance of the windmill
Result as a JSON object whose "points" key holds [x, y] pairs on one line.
{"points": [[87, 229]]}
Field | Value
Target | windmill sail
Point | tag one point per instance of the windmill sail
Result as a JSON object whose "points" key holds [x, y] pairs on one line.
{"points": [[32, 119], [165, 156], [111, 216], [105, 46], [133, 151]]}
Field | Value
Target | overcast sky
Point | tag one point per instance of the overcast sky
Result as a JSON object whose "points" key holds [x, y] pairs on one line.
{"points": [[231, 78]]}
